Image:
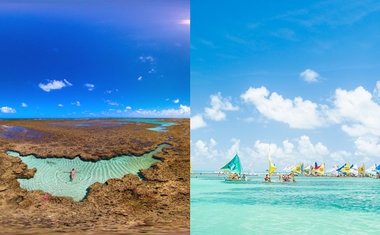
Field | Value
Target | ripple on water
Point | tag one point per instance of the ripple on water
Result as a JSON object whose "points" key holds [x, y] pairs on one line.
{"points": [[54, 176]]}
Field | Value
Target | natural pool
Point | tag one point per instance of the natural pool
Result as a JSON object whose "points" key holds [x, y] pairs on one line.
{"points": [[53, 174], [161, 128]]}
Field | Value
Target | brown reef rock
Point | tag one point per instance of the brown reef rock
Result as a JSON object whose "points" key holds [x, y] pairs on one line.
{"points": [[158, 203]]}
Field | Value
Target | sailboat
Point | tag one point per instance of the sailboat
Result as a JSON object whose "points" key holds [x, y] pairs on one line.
{"points": [[345, 169], [361, 170], [298, 169], [320, 170], [272, 167], [234, 167]]}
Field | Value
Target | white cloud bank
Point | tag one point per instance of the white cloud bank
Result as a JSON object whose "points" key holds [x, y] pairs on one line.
{"points": [[182, 111], [207, 156], [54, 85]]}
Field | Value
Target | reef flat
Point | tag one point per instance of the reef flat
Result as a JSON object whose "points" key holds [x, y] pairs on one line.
{"points": [[158, 203]]}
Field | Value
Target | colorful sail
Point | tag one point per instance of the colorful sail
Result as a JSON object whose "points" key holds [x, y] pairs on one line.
{"points": [[320, 169], [346, 168], [297, 169], [361, 170], [307, 170], [233, 166], [272, 168]]}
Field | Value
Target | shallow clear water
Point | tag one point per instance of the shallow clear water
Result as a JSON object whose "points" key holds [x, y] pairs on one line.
{"points": [[54, 176], [161, 128], [312, 205], [16, 132]]}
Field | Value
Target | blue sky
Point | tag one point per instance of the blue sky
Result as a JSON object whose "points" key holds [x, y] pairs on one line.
{"points": [[94, 58], [301, 77]]}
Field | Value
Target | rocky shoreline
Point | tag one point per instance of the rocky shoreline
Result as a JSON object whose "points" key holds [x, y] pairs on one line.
{"points": [[159, 203]]}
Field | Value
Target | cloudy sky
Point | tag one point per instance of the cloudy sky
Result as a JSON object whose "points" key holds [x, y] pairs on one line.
{"points": [[94, 58], [303, 78]]}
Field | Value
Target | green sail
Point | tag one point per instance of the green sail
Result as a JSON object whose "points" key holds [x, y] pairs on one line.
{"points": [[233, 166]]}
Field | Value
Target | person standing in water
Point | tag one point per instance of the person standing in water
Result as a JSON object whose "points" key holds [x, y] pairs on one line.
{"points": [[72, 174]]}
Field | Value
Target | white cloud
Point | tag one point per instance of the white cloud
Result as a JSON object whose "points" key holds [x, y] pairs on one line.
{"points": [[357, 111], [305, 147], [128, 107], [60, 105], [139, 78], [77, 103], [67, 82], [111, 91], [297, 113], [113, 103], [218, 105], [376, 91], [367, 146], [152, 70], [340, 157], [89, 86], [6, 109], [309, 76], [54, 85], [24, 105], [197, 122], [146, 59], [203, 149], [176, 101]]}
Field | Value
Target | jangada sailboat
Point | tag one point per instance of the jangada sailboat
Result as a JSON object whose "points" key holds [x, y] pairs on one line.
{"points": [[234, 169]]}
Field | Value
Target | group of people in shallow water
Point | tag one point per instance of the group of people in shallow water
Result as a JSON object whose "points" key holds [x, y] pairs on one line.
{"points": [[236, 176], [281, 178]]}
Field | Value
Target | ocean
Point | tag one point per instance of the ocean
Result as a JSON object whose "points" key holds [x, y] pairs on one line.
{"points": [[314, 205]]}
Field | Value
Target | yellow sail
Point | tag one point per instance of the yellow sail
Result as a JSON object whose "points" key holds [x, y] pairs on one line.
{"points": [[297, 169], [361, 170], [346, 168], [272, 168], [321, 169]]}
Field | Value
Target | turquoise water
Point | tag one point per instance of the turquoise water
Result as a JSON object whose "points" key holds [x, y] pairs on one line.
{"points": [[311, 205], [54, 176], [161, 128]]}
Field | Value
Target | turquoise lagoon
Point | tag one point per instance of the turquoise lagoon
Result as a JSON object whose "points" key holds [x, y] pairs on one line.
{"points": [[161, 128], [310, 206], [53, 174]]}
